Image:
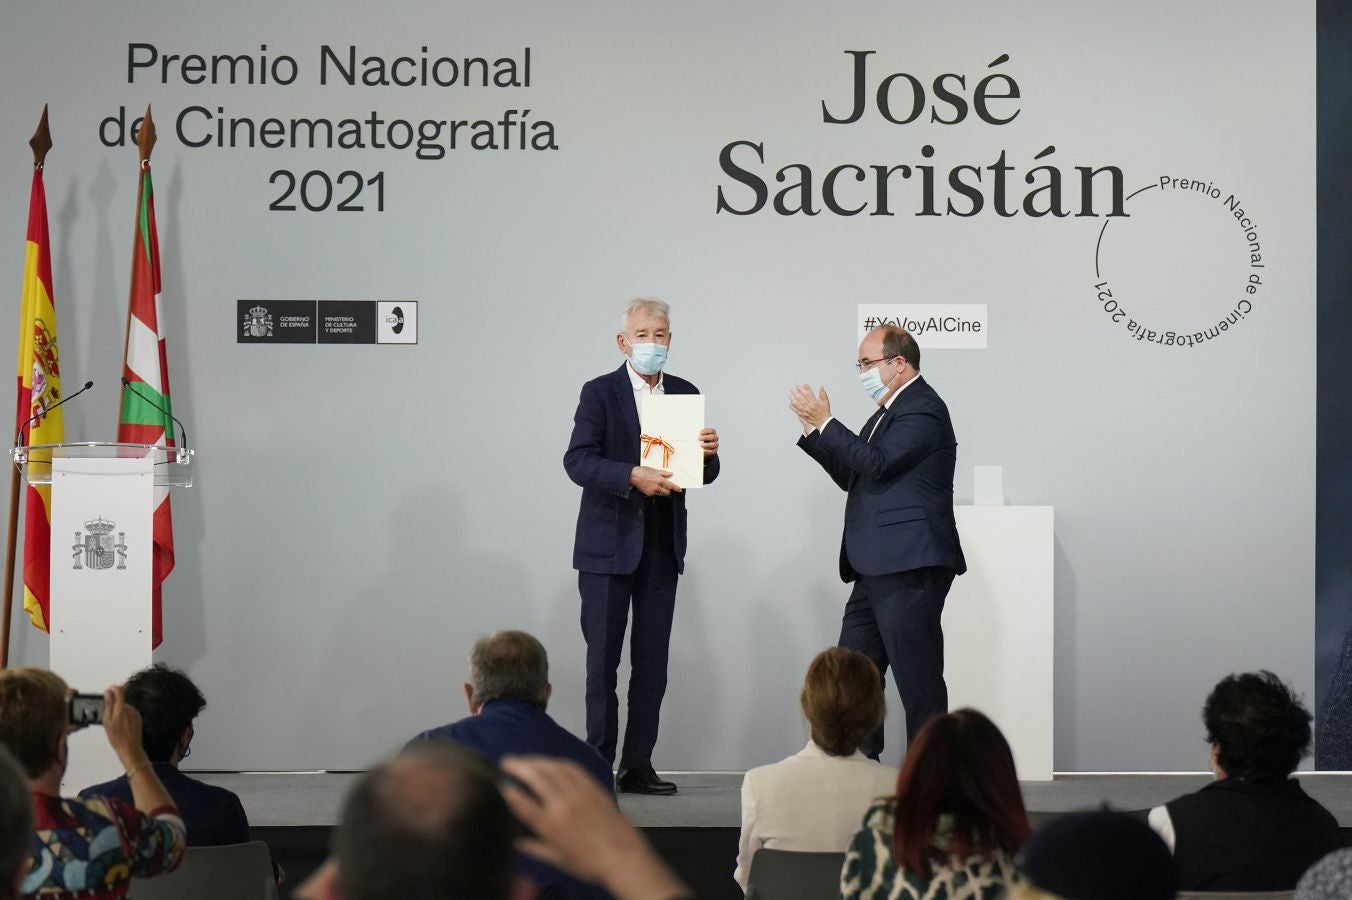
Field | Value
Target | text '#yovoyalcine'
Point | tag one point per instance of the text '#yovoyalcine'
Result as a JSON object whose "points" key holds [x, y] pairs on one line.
{"points": [[935, 326]]}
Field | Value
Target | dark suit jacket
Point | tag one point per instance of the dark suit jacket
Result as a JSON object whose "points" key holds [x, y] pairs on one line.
{"points": [[602, 452], [213, 815], [899, 515], [1236, 835], [514, 727]]}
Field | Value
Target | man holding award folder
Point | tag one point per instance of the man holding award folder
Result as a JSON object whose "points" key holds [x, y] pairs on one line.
{"points": [[638, 442], [900, 546]]}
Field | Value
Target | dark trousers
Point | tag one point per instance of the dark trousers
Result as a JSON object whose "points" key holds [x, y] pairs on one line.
{"points": [[606, 600], [894, 621]]}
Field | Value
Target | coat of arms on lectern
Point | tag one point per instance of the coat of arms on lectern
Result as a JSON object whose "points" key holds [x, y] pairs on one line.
{"points": [[97, 548]]}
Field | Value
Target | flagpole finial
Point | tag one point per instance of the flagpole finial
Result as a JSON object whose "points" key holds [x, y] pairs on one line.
{"points": [[145, 138], [41, 141]]}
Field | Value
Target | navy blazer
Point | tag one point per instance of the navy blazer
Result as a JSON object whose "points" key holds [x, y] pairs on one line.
{"points": [[899, 514], [213, 815], [602, 452], [508, 726]]}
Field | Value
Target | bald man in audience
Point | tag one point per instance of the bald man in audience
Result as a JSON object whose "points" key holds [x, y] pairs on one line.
{"points": [[428, 825], [434, 824]]}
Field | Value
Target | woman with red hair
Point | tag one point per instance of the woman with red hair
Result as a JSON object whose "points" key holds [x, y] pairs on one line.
{"points": [[954, 825]]}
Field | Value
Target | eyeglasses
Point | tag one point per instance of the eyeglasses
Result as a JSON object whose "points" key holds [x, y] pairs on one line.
{"points": [[864, 364]]}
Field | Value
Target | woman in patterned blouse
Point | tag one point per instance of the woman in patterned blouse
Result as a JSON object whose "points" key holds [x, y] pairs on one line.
{"points": [[86, 849], [954, 825]]}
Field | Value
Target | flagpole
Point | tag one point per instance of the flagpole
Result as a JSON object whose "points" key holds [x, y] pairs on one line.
{"points": [[15, 485], [41, 142], [145, 143], [139, 365]]}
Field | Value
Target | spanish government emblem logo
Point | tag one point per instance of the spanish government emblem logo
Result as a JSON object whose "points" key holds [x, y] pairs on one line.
{"points": [[97, 549], [258, 322]]}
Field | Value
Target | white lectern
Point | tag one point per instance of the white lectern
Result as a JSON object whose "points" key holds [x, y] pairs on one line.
{"points": [[999, 627], [103, 498]]}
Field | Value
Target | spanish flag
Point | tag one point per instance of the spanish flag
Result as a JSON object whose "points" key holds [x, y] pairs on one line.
{"points": [[39, 389]]}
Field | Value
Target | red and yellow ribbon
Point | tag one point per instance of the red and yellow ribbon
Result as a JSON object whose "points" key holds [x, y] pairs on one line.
{"points": [[649, 442]]}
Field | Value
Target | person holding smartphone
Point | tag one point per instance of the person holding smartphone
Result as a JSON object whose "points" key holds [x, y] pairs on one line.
{"points": [[92, 847], [168, 702]]}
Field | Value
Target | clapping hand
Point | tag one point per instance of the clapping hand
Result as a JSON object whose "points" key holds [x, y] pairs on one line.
{"points": [[811, 409]]}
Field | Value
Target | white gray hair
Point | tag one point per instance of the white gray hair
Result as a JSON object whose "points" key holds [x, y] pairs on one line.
{"points": [[646, 304], [509, 665]]}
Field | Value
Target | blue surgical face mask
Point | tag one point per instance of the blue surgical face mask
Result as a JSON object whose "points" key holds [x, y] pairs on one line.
{"points": [[873, 383], [648, 359]]}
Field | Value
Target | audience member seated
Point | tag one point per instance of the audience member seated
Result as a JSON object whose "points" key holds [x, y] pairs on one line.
{"points": [[428, 825], [1328, 879], [91, 848], [577, 827], [16, 827], [168, 702], [436, 822], [1096, 856], [507, 693], [1254, 828], [812, 801], [954, 825]]}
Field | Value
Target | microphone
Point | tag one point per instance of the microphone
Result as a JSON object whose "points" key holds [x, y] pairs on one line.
{"points": [[128, 386], [19, 434]]}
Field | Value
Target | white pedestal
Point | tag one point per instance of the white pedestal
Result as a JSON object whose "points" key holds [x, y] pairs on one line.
{"points": [[102, 520], [998, 628]]}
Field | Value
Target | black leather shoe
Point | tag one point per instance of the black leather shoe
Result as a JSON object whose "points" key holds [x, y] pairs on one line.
{"points": [[642, 780]]}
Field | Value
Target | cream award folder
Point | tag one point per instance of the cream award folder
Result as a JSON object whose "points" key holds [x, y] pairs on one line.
{"points": [[669, 427]]}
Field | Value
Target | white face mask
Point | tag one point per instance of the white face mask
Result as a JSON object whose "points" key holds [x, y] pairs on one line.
{"points": [[648, 359], [873, 383]]}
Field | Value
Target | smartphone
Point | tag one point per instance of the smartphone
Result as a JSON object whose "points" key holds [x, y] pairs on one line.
{"points": [[85, 709]]}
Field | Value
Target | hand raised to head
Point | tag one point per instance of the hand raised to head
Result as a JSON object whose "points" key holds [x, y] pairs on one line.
{"points": [[579, 829], [122, 726]]}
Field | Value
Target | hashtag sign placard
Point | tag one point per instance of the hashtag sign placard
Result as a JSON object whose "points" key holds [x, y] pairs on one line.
{"points": [[935, 326]]}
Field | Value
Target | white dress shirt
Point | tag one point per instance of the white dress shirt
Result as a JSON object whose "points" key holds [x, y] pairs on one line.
{"points": [[810, 802], [641, 388]]}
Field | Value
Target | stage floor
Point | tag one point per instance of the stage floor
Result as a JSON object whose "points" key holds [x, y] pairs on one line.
{"points": [[712, 800]]}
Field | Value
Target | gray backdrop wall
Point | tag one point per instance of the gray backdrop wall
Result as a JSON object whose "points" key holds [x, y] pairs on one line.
{"points": [[363, 513]]}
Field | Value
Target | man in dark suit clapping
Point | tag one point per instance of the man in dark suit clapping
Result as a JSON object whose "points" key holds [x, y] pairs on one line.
{"points": [[630, 542], [900, 546]]}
